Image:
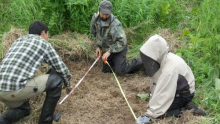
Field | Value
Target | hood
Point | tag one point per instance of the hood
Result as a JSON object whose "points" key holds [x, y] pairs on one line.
{"points": [[155, 47], [152, 53]]}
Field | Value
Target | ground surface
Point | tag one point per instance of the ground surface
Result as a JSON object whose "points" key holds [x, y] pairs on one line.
{"points": [[98, 100]]}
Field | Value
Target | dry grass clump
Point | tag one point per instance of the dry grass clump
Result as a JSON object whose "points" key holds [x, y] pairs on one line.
{"points": [[9, 38], [70, 46], [186, 118], [171, 39], [74, 46]]}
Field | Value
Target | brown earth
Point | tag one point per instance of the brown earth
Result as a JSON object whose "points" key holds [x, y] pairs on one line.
{"points": [[98, 99]]}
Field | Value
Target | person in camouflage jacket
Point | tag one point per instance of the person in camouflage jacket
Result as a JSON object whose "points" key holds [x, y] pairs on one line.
{"points": [[110, 38]]}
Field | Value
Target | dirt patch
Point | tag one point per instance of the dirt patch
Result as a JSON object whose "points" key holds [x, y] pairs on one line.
{"points": [[98, 100]]}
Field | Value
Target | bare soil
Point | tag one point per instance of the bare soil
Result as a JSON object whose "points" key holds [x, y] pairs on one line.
{"points": [[98, 99]]}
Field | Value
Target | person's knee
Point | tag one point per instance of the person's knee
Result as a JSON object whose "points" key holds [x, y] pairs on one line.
{"points": [[54, 84]]}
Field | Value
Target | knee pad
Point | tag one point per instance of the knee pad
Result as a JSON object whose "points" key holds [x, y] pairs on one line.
{"points": [[54, 84]]}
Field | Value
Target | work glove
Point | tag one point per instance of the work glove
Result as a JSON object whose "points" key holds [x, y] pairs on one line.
{"points": [[68, 89], [143, 120]]}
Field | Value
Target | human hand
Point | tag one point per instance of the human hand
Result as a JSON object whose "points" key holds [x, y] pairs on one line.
{"points": [[105, 56], [68, 89], [98, 52], [143, 120]]}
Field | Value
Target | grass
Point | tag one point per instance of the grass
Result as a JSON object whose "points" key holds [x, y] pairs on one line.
{"points": [[190, 26]]}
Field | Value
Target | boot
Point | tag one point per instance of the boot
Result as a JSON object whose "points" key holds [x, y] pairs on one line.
{"points": [[137, 65], [48, 110], [176, 113], [53, 93], [15, 114], [194, 108]]}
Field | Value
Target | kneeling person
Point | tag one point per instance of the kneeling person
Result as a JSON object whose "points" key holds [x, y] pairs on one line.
{"points": [[17, 84], [172, 83]]}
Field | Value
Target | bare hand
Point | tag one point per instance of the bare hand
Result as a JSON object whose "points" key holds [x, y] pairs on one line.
{"points": [[105, 55], [98, 52]]}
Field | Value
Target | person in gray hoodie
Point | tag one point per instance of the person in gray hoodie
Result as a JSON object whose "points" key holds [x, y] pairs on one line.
{"points": [[172, 84]]}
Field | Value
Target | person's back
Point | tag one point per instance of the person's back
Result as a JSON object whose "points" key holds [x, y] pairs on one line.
{"points": [[172, 84], [18, 83], [24, 54]]}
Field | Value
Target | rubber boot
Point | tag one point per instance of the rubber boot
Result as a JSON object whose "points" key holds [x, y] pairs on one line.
{"points": [[15, 114], [48, 110], [137, 65], [194, 108], [53, 93]]}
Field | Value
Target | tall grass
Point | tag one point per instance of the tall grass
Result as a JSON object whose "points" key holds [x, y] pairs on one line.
{"points": [[81, 12], [19, 13], [197, 19], [202, 52]]}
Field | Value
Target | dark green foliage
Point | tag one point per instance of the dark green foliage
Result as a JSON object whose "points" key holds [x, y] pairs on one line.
{"points": [[81, 12], [75, 15]]}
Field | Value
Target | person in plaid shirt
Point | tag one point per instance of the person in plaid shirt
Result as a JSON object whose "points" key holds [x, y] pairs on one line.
{"points": [[17, 81]]}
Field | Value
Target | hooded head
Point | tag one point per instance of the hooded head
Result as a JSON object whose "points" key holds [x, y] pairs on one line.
{"points": [[152, 53]]}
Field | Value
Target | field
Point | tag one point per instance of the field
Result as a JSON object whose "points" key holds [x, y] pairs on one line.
{"points": [[191, 28], [98, 99]]}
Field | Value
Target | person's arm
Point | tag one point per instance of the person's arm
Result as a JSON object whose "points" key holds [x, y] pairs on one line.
{"points": [[163, 95], [93, 30], [118, 36], [92, 26], [53, 59]]}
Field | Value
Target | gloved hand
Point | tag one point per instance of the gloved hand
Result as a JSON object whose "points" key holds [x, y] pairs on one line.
{"points": [[143, 120], [68, 89]]}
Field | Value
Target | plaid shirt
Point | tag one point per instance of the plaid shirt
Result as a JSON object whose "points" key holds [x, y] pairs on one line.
{"points": [[24, 58]]}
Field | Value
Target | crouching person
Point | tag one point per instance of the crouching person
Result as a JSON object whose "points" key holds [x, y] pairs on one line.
{"points": [[17, 84], [172, 84]]}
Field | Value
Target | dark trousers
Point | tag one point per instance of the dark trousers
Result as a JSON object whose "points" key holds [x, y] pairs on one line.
{"points": [[119, 64], [179, 102]]}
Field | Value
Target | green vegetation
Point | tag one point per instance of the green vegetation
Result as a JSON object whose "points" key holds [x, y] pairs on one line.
{"points": [[201, 51], [196, 23]]}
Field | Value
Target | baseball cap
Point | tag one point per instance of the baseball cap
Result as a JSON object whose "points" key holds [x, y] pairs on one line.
{"points": [[106, 7]]}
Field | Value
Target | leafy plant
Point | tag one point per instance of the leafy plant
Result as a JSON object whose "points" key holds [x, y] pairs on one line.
{"points": [[143, 96]]}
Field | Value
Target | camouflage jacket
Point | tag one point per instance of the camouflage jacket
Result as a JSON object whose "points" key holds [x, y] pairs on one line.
{"points": [[110, 36]]}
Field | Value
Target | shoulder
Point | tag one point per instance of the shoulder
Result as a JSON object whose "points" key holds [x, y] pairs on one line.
{"points": [[39, 41], [95, 16], [174, 63], [115, 21]]}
